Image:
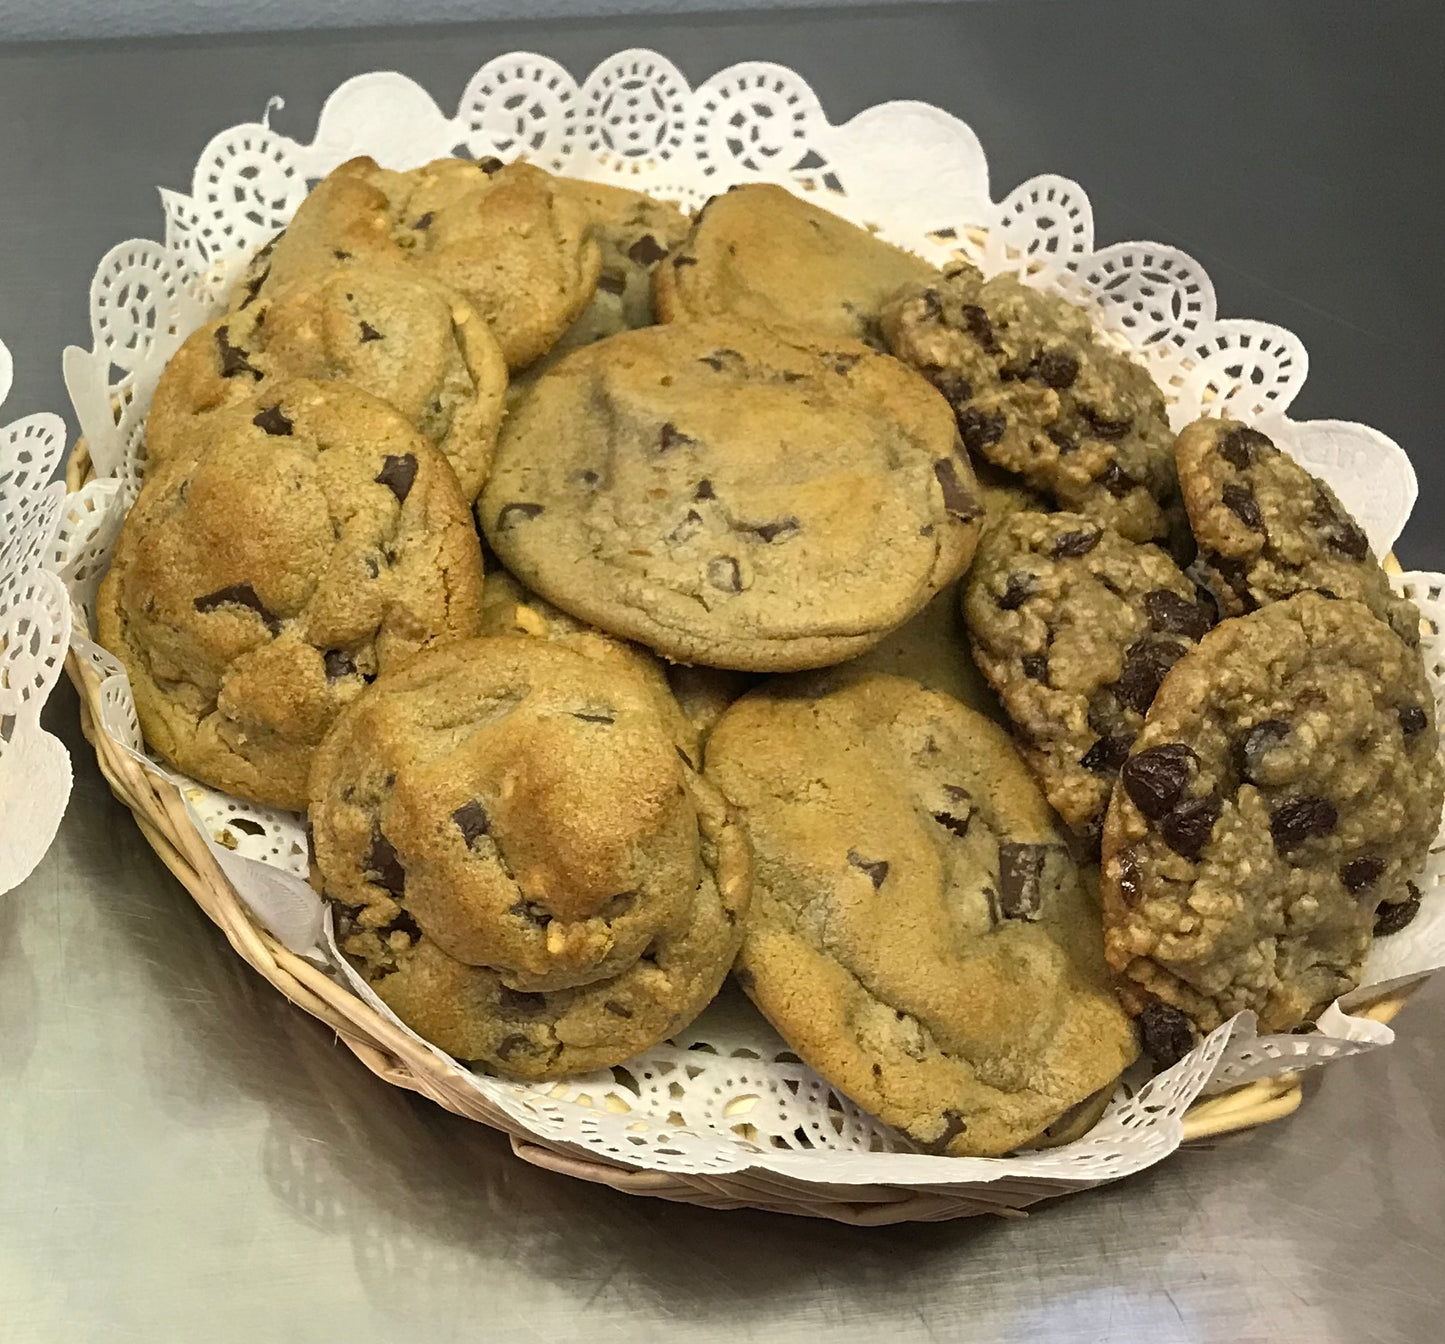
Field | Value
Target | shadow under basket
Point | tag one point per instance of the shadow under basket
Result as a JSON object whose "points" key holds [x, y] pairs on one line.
{"points": [[395, 1057]]}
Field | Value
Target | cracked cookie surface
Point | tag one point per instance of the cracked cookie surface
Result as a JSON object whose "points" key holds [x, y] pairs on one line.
{"points": [[919, 933], [1038, 392], [733, 495], [1281, 797], [528, 869], [259, 583]]}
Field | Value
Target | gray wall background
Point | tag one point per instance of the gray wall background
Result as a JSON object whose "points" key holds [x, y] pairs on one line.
{"points": [[40, 19]]}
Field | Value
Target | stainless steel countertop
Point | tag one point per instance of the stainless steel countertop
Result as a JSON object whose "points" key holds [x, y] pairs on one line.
{"points": [[183, 1156]]}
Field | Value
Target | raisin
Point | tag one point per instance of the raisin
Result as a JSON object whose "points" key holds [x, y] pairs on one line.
{"points": [[1360, 873], [1017, 591], [1074, 543], [1062, 441], [1155, 778], [1413, 720], [1251, 747], [1145, 666], [1295, 821], [1392, 918], [1058, 369], [1116, 480], [1129, 880], [1036, 667], [979, 326], [1240, 501], [1350, 540], [980, 429], [1237, 447], [1107, 754], [1104, 428], [955, 388], [1165, 1033], [1171, 614], [1186, 830]]}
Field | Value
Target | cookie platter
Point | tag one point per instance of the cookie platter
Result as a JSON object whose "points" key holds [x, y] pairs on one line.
{"points": [[720, 1111]]}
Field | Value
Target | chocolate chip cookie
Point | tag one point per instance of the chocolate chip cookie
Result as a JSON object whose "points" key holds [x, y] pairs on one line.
{"points": [[260, 583], [1038, 392], [733, 495], [1075, 628], [509, 239], [1268, 529], [527, 868], [760, 253], [413, 343], [1285, 787], [919, 933]]}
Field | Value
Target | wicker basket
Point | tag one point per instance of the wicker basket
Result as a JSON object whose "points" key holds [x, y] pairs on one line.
{"points": [[393, 1056]]}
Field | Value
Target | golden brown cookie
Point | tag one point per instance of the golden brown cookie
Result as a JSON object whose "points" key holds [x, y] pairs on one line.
{"points": [[528, 870], [259, 583], [733, 495], [762, 254], [919, 933]]}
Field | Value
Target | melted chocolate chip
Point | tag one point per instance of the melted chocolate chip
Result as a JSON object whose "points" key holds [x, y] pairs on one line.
{"points": [[1155, 779], [1021, 880], [273, 421], [957, 500], [489, 164], [382, 866], [670, 437], [514, 1044], [1145, 666], [704, 490], [783, 528], [1237, 447], [472, 821], [404, 923], [594, 718], [1295, 821], [1036, 667], [646, 251], [238, 595], [397, 474], [1250, 749], [512, 514], [612, 283], [234, 360], [519, 1001], [1116, 480], [980, 429], [1164, 1032], [1187, 829], [1104, 428], [979, 326], [1058, 369], [1017, 591], [1349, 539], [338, 664], [253, 285], [616, 1009], [1395, 916], [1107, 754], [424, 222], [680, 261], [1068, 544], [369, 333], [1171, 614], [341, 254], [1240, 501], [953, 1125], [724, 573], [1360, 873], [1413, 720], [877, 869]]}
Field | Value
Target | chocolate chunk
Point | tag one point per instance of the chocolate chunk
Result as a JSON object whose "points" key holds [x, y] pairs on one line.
{"points": [[253, 285], [932, 305], [1187, 829], [594, 718], [1129, 880], [1036, 667], [1104, 428], [273, 421], [953, 1124], [957, 500], [1107, 754], [843, 361], [685, 758], [704, 490], [670, 437], [397, 474], [1237, 447], [489, 164], [520, 1001], [532, 912], [373, 566], [341, 254], [612, 283], [369, 333], [680, 261], [424, 222], [1249, 749], [1116, 480], [382, 866], [959, 812], [1413, 720], [980, 429], [514, 1044], [512, 514], [1350, 540], [472, 821], [1145, 666], [1155, 779], [689, 527], [646, 251], [956, 389], [1068, 544], [589, 478], [338, 664], [233, 359], [1062, 441], [616, 1009], [1019, 588], [238, 595], [1058, 369], [979, 326], [877, 869], [1295, 821], [724, 573], [1360, 873], [1021, 880], [1240, 501], [720, 358], [1165, 1033], [1394, 917], [404, 923], [1171, 614], [784, 528]]}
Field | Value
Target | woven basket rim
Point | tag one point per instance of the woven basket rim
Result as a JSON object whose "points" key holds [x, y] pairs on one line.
{"points": [[160, 813]]}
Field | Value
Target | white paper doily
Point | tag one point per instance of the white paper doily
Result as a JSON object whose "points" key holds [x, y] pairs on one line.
{"points": [[34, 632], [727, 1094]]}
